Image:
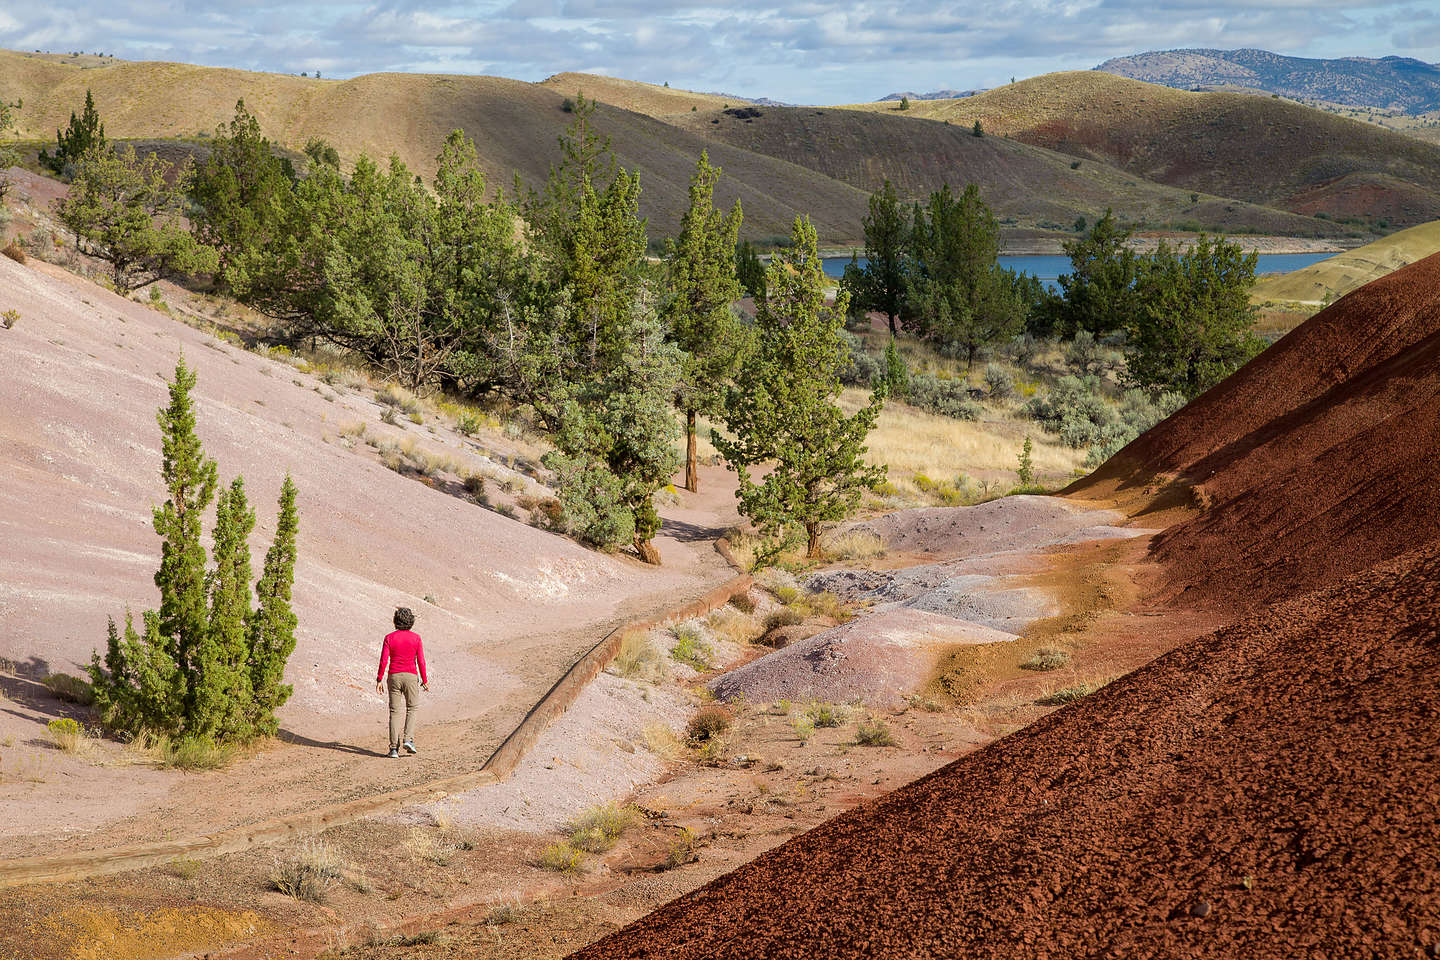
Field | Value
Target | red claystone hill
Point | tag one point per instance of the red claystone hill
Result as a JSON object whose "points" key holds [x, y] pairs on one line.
{"points": [[1269, 790]]}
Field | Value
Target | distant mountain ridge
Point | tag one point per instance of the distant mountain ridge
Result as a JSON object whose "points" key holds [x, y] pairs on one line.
{"points": [[1388, 83], [932, 95]]}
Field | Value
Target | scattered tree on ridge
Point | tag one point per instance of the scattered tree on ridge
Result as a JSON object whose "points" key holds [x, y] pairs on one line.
{"points": [[129, 213], [1192, 325], [783, 409], [207, 666], [880, 284], [85, 134], [699, 318]]}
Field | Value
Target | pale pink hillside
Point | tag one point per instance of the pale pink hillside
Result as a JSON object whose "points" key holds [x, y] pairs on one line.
{"points": [[84, 371]]}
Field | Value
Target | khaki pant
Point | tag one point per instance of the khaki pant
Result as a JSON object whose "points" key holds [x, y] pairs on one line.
{"points": [[404, 693]]}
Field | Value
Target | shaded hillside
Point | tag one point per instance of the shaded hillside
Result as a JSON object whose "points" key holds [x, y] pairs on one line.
{"points": [[1387, 83], [1034, 186], [1344, 272], [1259, 149], [1315, 460], [1264, 791], [514, 124]]}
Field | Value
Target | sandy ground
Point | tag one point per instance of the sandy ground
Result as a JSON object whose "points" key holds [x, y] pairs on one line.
{"points": [[504, 607]]}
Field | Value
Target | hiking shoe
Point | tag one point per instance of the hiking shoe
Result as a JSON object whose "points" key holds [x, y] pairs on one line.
{"points": [[410, 747], [393, 754]]}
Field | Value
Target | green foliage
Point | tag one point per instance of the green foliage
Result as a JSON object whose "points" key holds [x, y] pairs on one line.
{"points": [[783, 406], [880, 284], [322, 153], [998, 381], [874, 733], [9, 156], [1025, 473], [1097, 295], [1138, 413], [207, 668], [1074, 409], [84, 135], [690, 648], [409, 278], [1192, 322], [65, 734], [614, 442], [240, 189], [702, 286], [904, 103], [749, 270], [897, 375], [130, 213], [70, 688], [956, 295], [977, 130]]}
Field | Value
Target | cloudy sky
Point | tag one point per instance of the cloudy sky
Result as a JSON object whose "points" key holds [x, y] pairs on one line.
{"points": [[792, 50]]}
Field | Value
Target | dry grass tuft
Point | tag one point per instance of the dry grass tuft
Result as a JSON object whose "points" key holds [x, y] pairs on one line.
{"points": [[1046, 658], [597, 829], [561, 858], [851, 545], [70, 689], [307, 873], [874, 733], [708, 724], [638, 659], [662, 741]]}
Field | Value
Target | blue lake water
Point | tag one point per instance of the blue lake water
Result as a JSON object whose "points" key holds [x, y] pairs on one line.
{"points": [[1048, 268]]}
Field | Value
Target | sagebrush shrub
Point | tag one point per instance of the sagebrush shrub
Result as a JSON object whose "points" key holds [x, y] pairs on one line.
{"points": [[708, 723]]}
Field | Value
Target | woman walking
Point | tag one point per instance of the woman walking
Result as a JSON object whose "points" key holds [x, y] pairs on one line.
{"points": [[405, 654]]}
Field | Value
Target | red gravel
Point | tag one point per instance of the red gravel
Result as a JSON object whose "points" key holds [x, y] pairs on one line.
{"points": [[1318, 459], [1282, 773], [1270, 790]]}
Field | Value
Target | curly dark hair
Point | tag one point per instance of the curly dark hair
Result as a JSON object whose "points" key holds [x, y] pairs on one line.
{"points": [[404, 619]]}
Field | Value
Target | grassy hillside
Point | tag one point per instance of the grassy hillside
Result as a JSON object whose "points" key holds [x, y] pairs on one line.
{"points": [[1263, 150], [1029, 186], [650, 99], [1337, 276], [515, 126]]}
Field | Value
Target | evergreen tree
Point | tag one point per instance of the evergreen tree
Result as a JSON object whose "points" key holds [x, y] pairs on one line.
{"points": [[207, 666], [272, 623], [85, 134], [749, 270], [880, 284], [783, 407], [615, 444], [1192, 322], [957, 295], [1098, 294], [9, 156], [702, 287], [222, 694], [238, 189], [130, 213]]}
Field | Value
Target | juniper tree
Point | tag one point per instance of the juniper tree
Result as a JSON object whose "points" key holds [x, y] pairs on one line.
{"points": [[782, 409], [1098, 294], [615, 443], [880, 284], [699, 318], [85, 134], [9, 156], [957, 295], [238, 189], [749, 270], [1192, 322], [130, 214], [272, 623], [207, 666], [222, 695]]}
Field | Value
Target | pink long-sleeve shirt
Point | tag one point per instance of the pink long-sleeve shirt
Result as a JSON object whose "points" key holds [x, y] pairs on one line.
{"points": [[405, 652]]}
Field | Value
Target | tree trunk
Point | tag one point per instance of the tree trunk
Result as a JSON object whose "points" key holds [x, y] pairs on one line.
{"points": [[647, 551], [812, 530], [892, 325], [692, 473]]}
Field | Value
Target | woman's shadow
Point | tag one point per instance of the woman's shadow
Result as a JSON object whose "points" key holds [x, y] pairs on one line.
{"points": [[289, 736]]}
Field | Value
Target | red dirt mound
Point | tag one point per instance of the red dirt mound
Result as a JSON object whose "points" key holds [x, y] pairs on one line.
{"points": [[1265, 791], [1316, 460]]}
